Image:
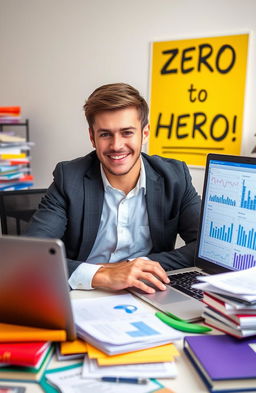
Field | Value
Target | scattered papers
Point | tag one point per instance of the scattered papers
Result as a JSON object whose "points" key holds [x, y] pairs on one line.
{"points": [[240, 284], [118, 324], [164, 353], [91, 369], [211, 288], [71, 381]]}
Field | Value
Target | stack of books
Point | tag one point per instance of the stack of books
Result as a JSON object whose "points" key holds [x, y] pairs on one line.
{"points": [[26, 351], [224, 363], [230, 300], [14, 153], [229, 315], [24, 361], [14, 166]]}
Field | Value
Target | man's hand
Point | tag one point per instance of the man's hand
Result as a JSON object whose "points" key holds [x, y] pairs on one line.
{"points": [[121, 275]]}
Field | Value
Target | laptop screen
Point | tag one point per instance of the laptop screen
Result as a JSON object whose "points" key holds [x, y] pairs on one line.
{"points": [[227, 236]]}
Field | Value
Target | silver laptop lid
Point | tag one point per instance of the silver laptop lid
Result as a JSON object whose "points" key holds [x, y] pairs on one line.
{"points": [[33, 284]]}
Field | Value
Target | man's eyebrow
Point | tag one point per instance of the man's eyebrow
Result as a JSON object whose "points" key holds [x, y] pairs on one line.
{"points": [[121, 129], [103, 130], [127, 128]]}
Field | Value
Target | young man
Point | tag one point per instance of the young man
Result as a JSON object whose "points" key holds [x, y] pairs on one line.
{"points": [[117, 210]]}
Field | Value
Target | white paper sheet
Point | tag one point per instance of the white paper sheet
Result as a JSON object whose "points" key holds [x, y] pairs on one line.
{"points": [[91, 369], [241, 282], [71, 381]]}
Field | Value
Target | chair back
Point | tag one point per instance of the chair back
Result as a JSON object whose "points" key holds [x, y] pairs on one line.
{"points": [[17, 208]]}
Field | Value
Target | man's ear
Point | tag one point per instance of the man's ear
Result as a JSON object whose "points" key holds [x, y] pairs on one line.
{"points": [[145, 134], [91, 134]]}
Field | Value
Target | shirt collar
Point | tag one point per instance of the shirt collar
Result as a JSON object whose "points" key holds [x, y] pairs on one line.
{"points": [[141, 183]]}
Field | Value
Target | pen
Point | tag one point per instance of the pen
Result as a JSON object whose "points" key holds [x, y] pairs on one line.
{"points": [[138, 381]]}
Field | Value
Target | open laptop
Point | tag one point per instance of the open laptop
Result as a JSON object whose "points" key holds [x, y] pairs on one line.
{"points": [[226, 238], [33, 284]]}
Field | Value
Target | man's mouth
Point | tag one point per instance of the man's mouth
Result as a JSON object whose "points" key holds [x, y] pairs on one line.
{"points": [[118, 156]]}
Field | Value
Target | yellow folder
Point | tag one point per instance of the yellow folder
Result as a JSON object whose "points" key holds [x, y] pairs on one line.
{"points": [[71, 347], [18, 333], [163, 353], [9, 156]]}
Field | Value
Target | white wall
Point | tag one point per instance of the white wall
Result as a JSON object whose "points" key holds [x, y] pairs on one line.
{"points": [[54, 53]]}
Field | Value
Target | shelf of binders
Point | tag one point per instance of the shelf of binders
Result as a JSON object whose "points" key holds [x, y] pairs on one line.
{"points": [[15, 159]]}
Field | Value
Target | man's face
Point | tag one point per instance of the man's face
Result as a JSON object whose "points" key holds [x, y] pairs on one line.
{"points": [[117, 137]]}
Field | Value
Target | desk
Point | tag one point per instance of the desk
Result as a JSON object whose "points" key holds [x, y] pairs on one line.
{"points": [[186, 381]]}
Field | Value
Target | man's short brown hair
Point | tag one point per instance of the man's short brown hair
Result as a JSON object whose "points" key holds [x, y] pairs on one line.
{"points": [[115, 96]]}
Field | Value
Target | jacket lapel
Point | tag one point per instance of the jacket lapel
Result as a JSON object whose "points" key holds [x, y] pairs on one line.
{"points": [[155, 205], [93, 202]]}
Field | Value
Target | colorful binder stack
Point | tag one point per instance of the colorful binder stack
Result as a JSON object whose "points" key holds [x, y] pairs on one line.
{"points": [[14, 153]]}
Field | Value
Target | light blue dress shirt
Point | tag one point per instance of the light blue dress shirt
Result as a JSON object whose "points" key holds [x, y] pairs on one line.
{"points": [[123, 232]]}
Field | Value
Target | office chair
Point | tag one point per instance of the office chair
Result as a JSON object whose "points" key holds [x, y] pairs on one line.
{"points": [[16, 209]]}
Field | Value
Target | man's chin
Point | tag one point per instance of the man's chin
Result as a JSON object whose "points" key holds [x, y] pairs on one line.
{"points": [[118, 173]]}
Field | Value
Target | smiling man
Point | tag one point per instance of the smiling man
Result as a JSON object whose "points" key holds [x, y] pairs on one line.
{"points": [[118, 210]]}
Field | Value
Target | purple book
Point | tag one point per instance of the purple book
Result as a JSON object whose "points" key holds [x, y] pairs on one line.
{"points": [[224, 357]]}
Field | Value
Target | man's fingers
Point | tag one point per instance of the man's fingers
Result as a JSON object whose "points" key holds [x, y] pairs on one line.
{"points": [[156, 269], [143, 287], [153, 280]]}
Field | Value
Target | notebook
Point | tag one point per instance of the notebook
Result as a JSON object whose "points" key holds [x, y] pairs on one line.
{"points": [[226, 237], [33, 284]]}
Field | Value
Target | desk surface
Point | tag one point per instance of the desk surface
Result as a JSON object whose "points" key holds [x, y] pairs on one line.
{"points": [[186, 381]]}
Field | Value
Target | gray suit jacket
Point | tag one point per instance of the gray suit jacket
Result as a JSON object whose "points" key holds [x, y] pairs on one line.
{"points": [[71, 209]]}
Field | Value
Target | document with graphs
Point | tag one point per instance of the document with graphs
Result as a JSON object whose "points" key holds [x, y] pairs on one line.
{"points": [[120, 323]]}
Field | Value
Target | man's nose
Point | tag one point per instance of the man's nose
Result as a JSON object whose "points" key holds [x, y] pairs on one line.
{"points": [[117, 142]]}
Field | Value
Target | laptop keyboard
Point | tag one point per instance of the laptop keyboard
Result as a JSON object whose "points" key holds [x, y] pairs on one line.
{"points": [[184, 281]]}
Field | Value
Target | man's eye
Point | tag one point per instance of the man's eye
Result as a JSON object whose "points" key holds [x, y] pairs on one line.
{"points": [[104, 134], [128, 133]]}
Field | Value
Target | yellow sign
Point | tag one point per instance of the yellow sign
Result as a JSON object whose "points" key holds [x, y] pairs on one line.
{"points": [[197, 97]]}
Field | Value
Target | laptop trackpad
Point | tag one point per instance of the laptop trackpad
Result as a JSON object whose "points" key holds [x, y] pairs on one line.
{"points": [[176, 303]]}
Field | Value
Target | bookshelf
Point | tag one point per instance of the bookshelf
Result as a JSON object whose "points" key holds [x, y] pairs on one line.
{"points": [[23, 126], [15, 164]]}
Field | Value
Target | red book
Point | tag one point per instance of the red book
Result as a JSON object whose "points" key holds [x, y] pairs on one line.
{"points": [[23, 353], [242, 318]]}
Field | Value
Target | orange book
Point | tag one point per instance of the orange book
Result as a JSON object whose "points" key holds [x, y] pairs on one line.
{"points": [[17, 333]]}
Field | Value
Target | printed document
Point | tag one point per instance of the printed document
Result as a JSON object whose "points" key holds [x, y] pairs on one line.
{"points": [[119, 324], [71, 381]]}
